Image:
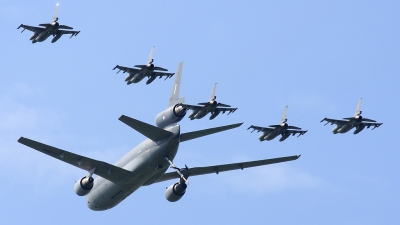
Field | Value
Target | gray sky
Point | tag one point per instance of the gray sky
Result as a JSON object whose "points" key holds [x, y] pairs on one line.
{"points": [[318, 58]]}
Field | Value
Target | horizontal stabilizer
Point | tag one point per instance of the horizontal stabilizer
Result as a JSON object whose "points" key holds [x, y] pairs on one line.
{"points": [[368, 120], [203, 103], [275, 126], [187, 172], [201, 133], [44, 24], [66, 27], [105, 170], [349, 118], [223, 105], [150, 131], [160, 68], [294, 127], [140, 66]]}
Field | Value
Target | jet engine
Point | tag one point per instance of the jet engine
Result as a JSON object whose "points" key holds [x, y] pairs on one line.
{"points": [[83, 186], [359, 128], [171, 115], [175, 191]]}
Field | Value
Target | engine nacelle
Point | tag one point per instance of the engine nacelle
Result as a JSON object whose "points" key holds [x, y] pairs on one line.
{"points": [[214, 114], [175, 192], [171, 115], [359, 128], [83, 186], [284, 136]]}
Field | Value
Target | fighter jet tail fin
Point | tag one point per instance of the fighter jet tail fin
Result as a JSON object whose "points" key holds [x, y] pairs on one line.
{"points": [[55, 17], [150, 131], [213, 97], [201, 133], [284, 119], [150, 59], [174, 97], [358, 109]]}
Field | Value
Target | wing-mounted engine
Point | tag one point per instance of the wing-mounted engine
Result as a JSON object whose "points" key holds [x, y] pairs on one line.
{"points": [[83, 186], [175, 191], [171, 115]]}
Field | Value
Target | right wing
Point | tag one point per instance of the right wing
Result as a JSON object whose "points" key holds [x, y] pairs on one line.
{"points": [[260, 129], [332, 121], [192, 107], [126, 69], [30, 28], [222, 168], [107, 171]]}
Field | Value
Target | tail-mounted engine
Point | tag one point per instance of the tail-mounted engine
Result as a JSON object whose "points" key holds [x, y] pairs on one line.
{"points": [[171, 115], [175, 191], [83, 186]]}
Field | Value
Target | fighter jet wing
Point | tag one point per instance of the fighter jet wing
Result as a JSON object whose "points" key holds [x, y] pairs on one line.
{"points": [[161, 74], [223, 110], [30, 28], [187, 172], [332, 121], [374, 125], [294, 132], [73, 33], [192, 107], [105, 170], [160, 68], [262, 129], [126, 69]]}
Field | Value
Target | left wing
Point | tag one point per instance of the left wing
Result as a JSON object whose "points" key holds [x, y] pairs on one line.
{"points": [[187, 172], [126, 69], [192, 107], [374, 125], [223, 110], [294, 132], [110, 172], [73, 33], [161, 74], [30, 28]]}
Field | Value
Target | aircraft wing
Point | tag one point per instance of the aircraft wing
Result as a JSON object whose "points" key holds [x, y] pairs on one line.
{"points": [[68, 32], [332, 121], [110, 172], [262, 129], [160, 74], [160, 68], [223, 110], [294, 132], [374, 125], [126, 69], [187, 172], [192, 107], [30, 28]]}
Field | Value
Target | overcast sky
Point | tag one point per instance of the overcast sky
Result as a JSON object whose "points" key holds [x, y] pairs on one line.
{"points": [[318, 58]]}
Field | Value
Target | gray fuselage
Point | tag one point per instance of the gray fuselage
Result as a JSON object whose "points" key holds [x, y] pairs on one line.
{"points": [[139, 75], [147, 164], [346, 127]]}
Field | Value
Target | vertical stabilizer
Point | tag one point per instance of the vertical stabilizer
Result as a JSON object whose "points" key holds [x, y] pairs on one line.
{"points": [[358, 111], [55, 16], [283, 120], [213, 93], [150, 60], [174, 98]]}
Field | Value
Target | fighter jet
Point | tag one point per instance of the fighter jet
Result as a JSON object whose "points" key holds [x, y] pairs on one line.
{"points": [[148, 162], [46, 29], [282, 129], [148, 70], [357, 121], [212, 107]]}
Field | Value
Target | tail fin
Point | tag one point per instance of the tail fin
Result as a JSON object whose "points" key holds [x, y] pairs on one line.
{"points": [[213, 93], [283, 120], [358, 111], [150, 60], [55, 17], [150, 131], [174, 98], [201, 133]]}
